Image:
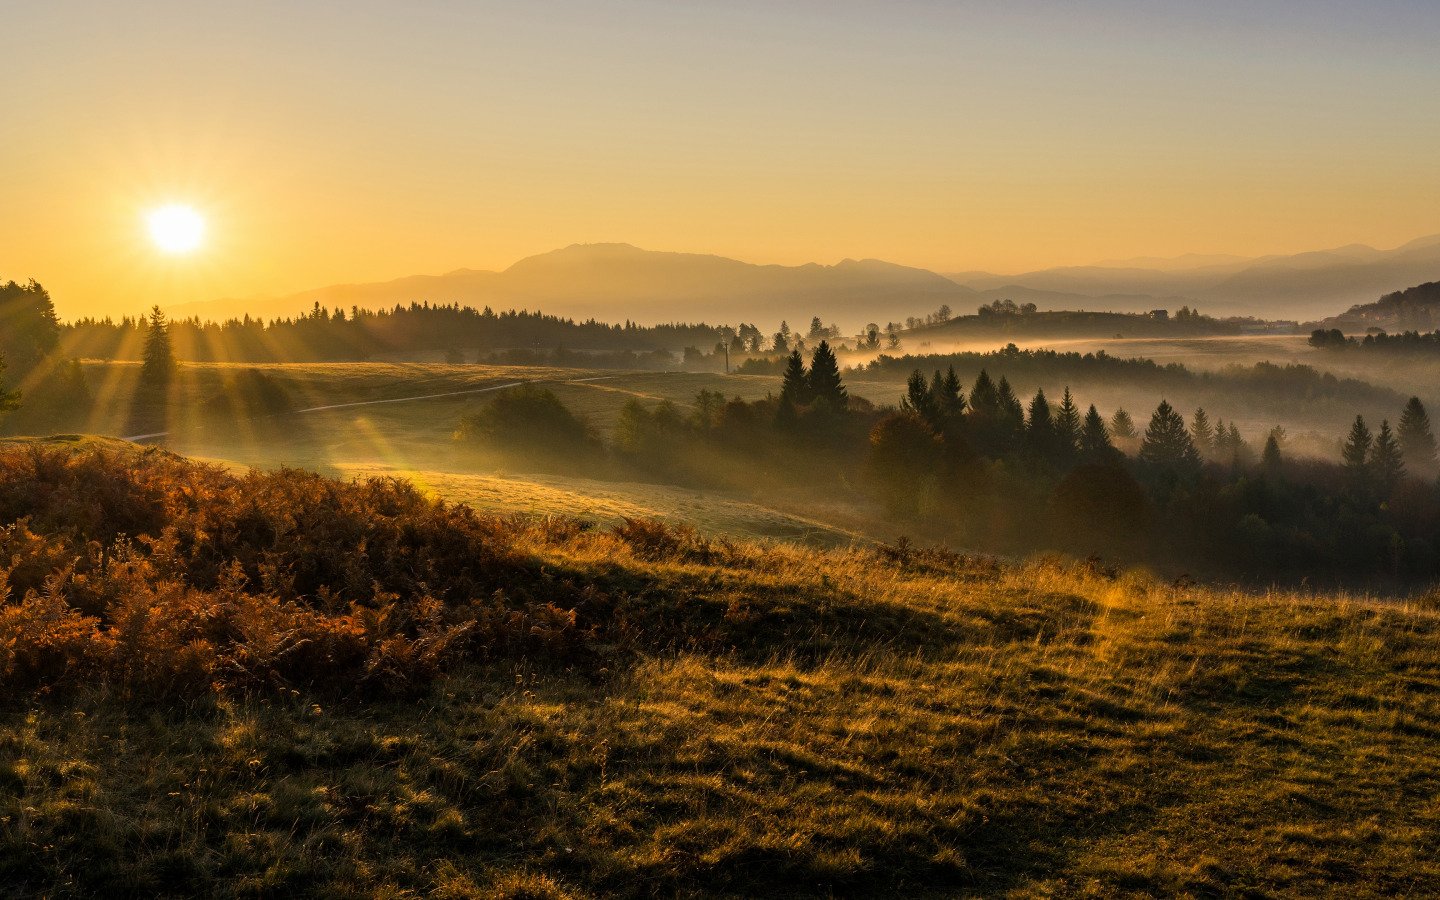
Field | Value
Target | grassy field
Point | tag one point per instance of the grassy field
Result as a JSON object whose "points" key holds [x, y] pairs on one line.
{"points": [[780, 721]]}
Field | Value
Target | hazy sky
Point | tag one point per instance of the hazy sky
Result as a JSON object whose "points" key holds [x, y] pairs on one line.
{"points": [[358, 141]]}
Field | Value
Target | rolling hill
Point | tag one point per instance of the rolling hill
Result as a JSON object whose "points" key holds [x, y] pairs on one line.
{"points": [[618, 281]]}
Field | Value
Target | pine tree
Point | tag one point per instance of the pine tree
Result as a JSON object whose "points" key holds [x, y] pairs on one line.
{"points": [[159, 358], [825, 382], [1235, 445], [984, 397], [919, 398], [952, 397], [1010, 409], [1167, 444], [1417, 442], [1121, 425], [1356, 452], [1094, 440], [1040, 428], [1067, 425], [795, 386], [8, 399], [1386, 460], [1270, 459], [1202, 432]]}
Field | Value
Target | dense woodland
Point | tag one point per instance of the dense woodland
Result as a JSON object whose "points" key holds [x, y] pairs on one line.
{"points": [[981, 466]]}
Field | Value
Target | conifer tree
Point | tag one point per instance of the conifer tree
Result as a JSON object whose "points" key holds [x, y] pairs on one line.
{"points": [[795, 388], [1270, 460], [1202, 432], [984, 397], [825, 382], [1417, 442], [1094, 440], [1010, 409], [158, 364], [919, 398], [1067, 425], [1167, 444], [8, 399], [1040, 428], [952, 398], [1356, 451], [1121, 425], [1385, 459]]}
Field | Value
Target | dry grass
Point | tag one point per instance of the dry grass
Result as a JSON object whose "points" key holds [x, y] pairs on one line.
{"points": [[785, 721]]}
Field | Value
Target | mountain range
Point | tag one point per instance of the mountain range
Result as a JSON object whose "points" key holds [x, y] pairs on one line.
{"points": [[619, 281]]}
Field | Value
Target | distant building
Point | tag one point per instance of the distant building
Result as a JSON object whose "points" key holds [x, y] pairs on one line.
{"points": [[1162, 314]]}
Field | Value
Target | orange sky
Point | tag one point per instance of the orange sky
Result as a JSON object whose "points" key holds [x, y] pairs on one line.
{"points": [[353, 142]]}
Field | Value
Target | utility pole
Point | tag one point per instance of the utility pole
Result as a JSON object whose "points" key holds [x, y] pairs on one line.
{"points": [[727, 357]]}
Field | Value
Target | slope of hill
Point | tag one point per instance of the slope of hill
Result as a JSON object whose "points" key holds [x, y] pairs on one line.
{"points": [[1302, 285], [483, 707], [619, 282], [1413, 309]]}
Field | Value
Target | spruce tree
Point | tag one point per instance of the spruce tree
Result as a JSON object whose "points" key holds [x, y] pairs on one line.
{"points": [[1167, 444], [8, 399], [1386, 460], [795, 385], [1356, 452], [1040, 428], [919, 398], [1094, 440], [1270, 460], [984, 397], [825, 382], [158, 364], [1202, 432], [1067, 425], [1121, 425], [1011, 412], [952, 398], [1417, 442]]}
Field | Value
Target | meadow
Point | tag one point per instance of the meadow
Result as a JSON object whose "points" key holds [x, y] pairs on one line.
{"points": [[718, 716]]}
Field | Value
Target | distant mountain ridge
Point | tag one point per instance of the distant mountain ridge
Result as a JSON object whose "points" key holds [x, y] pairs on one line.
{"points": [[616, 281], [619, 281], [1413, 309], [1301, 286]]}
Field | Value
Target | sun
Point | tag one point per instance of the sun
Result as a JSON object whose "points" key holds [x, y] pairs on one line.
{"points": [[176, 228]]}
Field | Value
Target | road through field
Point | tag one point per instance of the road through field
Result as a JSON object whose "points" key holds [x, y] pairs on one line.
{"points": [[481, 390]]}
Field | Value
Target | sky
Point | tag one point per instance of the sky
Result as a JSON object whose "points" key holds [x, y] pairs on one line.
{"points": [[334, 142]]}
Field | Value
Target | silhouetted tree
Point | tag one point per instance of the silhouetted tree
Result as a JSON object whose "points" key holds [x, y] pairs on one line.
{"points": [[158, 365], [795, 390], [1121, 425], [29, 330], [1356, 453], [1385, 461], [8, 399], [825, 381], [1012, 414], [1067, 426], [1094, 440], [1270, 460], [1040, 429], [919, 399], [1417, 442], [1167, 444], [1202, 432]]}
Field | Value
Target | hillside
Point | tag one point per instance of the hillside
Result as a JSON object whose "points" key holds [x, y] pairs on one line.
{"points": [[1301, 286], [1413, 309], [618, 281], [583, 712]]}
